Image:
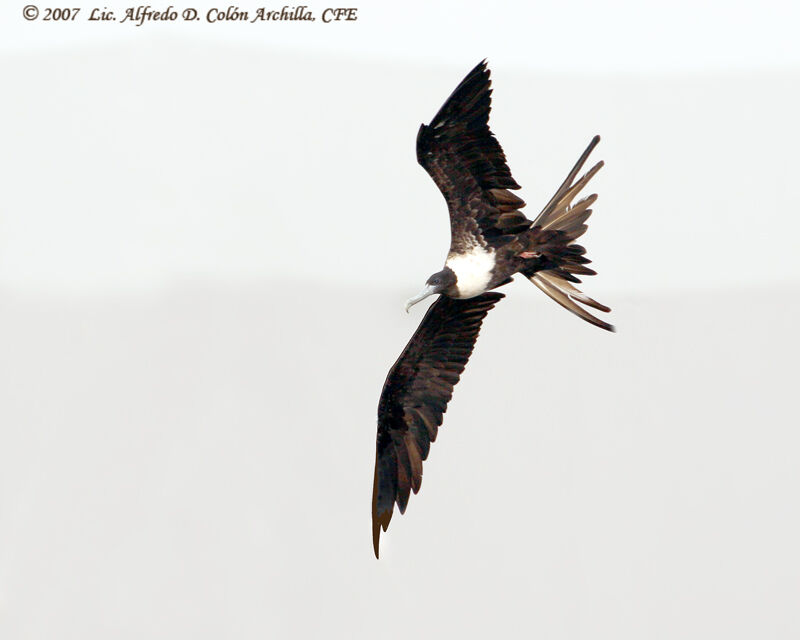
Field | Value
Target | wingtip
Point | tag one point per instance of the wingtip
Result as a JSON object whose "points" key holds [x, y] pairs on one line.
{"points": [[376, 538], [380, 520], [482, 68]]}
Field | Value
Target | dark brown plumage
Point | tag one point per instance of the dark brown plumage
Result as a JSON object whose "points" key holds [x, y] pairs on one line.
{"points": [[491, 241], [468, 165], [415, 396]]}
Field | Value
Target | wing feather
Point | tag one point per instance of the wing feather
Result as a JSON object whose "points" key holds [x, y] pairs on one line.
{"points": [[467, 163], [415, 396]]}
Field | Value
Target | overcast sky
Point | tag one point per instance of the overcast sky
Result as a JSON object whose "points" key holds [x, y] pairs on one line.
{"points": [[141, 163], [137, 156], [207, 233]]}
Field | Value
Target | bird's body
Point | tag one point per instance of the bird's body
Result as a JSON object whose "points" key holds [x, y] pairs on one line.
{"points": [[491, 241]]}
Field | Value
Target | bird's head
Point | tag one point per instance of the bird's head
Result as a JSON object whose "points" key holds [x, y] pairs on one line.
{"points": [[443, 281]]}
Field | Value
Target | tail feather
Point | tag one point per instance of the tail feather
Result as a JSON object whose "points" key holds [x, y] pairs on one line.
{"points": [[558, 197], [568, 296], [572, 220], [558, 261]]}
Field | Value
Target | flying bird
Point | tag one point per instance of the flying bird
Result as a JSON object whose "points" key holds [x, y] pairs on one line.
{"points": [[491, 240]]}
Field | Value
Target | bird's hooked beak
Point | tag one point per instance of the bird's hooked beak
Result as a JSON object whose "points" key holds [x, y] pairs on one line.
{"points": [[429, 290]]}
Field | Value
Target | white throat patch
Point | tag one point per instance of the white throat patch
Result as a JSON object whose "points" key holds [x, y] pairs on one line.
{"points": [[473, 270]]}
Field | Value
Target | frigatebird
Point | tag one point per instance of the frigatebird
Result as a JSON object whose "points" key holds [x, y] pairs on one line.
{"points": [[491, 240]]}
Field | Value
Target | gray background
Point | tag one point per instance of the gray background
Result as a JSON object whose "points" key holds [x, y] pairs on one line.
{"points": [[206, 239]]}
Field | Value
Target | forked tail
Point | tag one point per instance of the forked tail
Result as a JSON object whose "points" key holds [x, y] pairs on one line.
{"points": [[552, 261]]}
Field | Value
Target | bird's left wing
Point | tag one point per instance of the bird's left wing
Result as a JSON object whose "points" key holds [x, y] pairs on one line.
{"points": [[415, 397], [467, 163]]}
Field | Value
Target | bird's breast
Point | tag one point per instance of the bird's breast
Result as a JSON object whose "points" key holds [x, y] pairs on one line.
{"points": [[473, 270]]}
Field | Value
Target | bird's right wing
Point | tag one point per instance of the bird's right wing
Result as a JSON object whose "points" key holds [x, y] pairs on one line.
{"points": [[415, 397]]}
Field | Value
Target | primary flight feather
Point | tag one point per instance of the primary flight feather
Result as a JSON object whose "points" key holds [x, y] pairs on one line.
{"points": [[491, 240]]}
